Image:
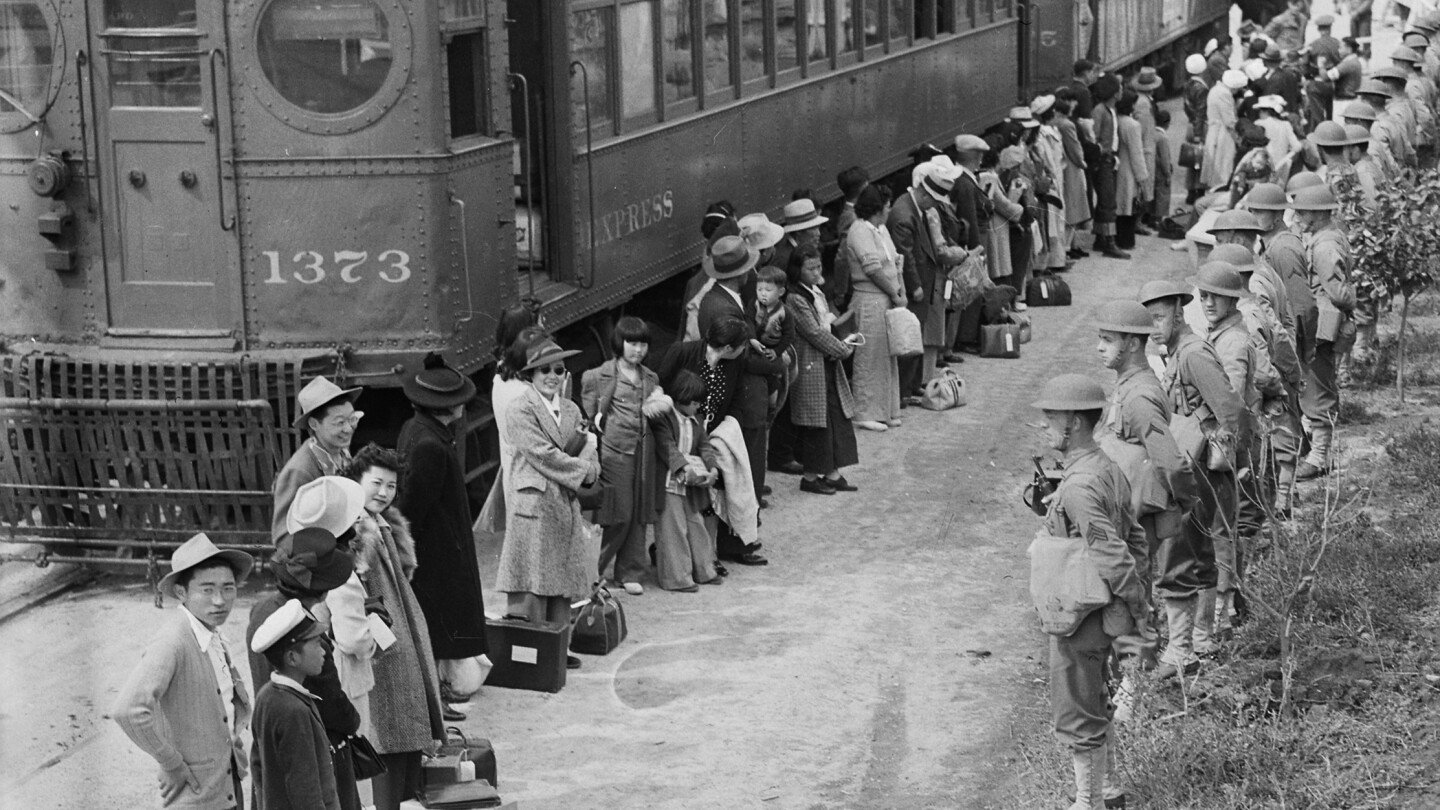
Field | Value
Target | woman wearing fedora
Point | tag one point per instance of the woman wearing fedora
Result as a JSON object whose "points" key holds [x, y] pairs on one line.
{"points": [[544, 562], [447, 577], [327, 412]]}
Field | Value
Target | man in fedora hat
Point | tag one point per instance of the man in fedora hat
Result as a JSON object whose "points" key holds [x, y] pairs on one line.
{"points": [[1329, 259], [801, 224], [1204, 409], [1091, 505], [1145, 83], [924, 275], [327, 412], [184, 704]]}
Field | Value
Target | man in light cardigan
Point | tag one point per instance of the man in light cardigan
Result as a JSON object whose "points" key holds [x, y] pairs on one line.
{"points": [[185, 704]]}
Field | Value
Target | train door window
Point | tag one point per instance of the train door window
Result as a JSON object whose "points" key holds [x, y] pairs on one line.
{"points": [[29, 58], [817, 30], [325, 56], [637, 62], [849, 23], [153, 71], [590, 45], [679, 52], [715, 14], [787, 36], [897, 23], [465, 65], [754, 40]]}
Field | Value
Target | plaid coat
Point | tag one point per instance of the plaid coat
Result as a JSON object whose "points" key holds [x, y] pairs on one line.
{"points": [[814, 344]]}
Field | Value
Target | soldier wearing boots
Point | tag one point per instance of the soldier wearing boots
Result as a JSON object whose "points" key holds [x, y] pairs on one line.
{"points": [[1327, 254], [1206, 423], [1136, 436], [1091, 505]]}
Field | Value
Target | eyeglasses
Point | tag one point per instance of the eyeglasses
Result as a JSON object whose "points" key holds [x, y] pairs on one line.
{"points": [[341, 421], [558, 369]]}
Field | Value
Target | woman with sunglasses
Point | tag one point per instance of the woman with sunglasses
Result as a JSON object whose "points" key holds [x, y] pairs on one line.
{"points": [[543, 564]]}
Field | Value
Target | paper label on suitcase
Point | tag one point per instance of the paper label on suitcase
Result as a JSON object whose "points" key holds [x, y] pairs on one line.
{"points": [[524, 655], [1009, 341], [1044, 289], [949, 289]]}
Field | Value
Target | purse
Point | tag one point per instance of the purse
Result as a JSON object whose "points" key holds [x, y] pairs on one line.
{"points": [[1065, 583], [903, 329], [1192, 155], [1000, 340], [944, 391], [598, 626], [365, 759]]}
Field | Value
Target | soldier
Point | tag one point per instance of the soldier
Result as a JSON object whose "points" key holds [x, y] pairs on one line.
{"points": [[1387, 131], [1328, 257], [1339, 174], [1243, 228], [1137, 437], [1361, 114], [1421, 93], [1413, 119], [1205, 413], [1367, 172], [1091, 505]]}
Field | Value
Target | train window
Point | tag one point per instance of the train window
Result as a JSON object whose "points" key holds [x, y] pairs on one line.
{"points": [[787, 32], [675, 32], [637, 59], [849, 30], [817, 29], [898, 22], [590, 46], [752, 40], [870, 22], [465, 64], [325, 56], [150, 13], [28, 57], [716, 17]]}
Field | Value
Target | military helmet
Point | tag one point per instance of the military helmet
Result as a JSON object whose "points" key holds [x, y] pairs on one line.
{"points": [[1071, 392], [1123, 316], [1160, 289], [1404, 54], [1303, 180], [1374, 87], [1358, 135], [1265, 197], [1392, 73], [1237, 256], [1236, 220], [1358, 110], [1314, 198], [1218, 278], [1329, 133]]}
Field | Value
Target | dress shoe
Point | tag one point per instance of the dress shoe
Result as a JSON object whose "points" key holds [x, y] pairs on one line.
{"points": [[839, 484], [571, 662], [1112, 252], [866, 424], [788, 468], [1306, 471], [816, 486], [752, 548], [721, 570], [954, 357], [751, 559], [766, 490], [451, 714], [1077, 253]]}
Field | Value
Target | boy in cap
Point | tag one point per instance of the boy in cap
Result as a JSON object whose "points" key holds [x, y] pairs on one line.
{"points": [[327, 412], [290, 761], [184, 704], [1091, 505]]}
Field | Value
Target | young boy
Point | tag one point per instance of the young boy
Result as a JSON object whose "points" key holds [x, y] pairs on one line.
{"points": [[290, 761], [684, 549], [774, 333]]}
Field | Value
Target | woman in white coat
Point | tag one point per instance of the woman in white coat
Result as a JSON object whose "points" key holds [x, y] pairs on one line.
{"points": [[1221, 139]]}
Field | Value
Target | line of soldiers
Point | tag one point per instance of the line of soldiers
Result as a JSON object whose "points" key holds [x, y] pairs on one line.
{"points": [[1170, 479]]}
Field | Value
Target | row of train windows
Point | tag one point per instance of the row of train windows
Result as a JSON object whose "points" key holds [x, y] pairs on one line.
{"points": [[652, 60]]}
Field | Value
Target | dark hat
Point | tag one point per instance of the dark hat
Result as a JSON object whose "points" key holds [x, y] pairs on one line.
{"points": [[545, 352], [1272, 53], [309, 560], [318, 393], [1218, 278], [732, 257], [199, 549], [289, 625], [1160, 289], [437, 385]]}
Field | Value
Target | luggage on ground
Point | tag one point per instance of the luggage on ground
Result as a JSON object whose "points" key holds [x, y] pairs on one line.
{"points": [[527, 655], [598, 626], [1000, 340], [1046, 290]]}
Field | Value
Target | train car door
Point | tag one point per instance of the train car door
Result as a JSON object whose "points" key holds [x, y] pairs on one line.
{"points": [[1060, 32], [171, 257]]}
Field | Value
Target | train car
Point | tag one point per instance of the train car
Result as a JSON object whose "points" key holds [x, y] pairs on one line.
{"points": [[210, 202]]}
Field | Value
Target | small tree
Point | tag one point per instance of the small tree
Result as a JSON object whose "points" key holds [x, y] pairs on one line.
{"points": [[1396, 247]]}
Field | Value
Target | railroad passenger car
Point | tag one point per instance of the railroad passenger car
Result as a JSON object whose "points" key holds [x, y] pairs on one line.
{"points": [[209, 202]]}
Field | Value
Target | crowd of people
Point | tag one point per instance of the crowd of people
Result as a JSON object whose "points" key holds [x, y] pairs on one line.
{"points": [[1170, 480], [655, 466]]}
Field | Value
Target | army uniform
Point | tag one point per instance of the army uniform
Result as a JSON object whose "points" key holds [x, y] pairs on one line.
{"points": [[1328, 256], [1284, 251]]}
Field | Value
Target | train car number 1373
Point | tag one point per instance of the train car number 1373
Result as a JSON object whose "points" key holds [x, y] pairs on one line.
{"points": [[312, 267]]}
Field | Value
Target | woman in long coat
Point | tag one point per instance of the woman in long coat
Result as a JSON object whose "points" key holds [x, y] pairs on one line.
{"points": [[1050, 152], [447, 579], [1221, 138], [821, 406], [1077, 189], [1132, 178], [544, 563], [876, 286]]}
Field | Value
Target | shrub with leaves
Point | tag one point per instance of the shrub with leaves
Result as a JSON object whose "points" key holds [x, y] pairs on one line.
{"points": [[1396, 246]]}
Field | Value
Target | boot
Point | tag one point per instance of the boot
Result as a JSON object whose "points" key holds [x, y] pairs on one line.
{"points": [[1124, 699], [1108, 249], [1205, 622], [1284, 490], [1179, 655], [1125, 232], [1114, 795], [1089, 779], [1227, 615], [1321, 436]]}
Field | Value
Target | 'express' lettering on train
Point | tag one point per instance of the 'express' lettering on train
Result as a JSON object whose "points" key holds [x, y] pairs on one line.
{"points": [[634, 217]]}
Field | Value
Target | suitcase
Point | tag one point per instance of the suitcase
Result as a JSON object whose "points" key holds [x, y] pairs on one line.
{"points": [[1000, 340], [476, 750], [1045, 290], [526, 655], [598, 626]]}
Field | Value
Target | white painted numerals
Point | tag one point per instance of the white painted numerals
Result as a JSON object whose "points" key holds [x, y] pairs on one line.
{"points": [[309, 267]]}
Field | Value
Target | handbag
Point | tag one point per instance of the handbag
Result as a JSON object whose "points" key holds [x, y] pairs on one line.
{"points": [[363, 756], [1192, 155], [478, 751], [903, 329], [1065, 583], [944, 391], [1045, 290], [598, 626], [1000, 340]]}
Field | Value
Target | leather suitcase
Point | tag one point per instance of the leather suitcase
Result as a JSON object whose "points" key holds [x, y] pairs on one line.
{"points": [[526, 655], [1000, 340], [1045, 290], [598, 626], [472, 749]]}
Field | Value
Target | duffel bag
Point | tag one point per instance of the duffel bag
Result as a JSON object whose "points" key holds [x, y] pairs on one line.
{"points": [[598, 626], [944, 391], [903, 329], [1000, 340], [1045, 290]]}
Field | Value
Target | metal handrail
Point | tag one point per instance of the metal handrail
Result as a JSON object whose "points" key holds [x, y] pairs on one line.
{"points": [[589, 167], [153, 56], [465, 259], [225, 224], [83, 73], [524, 85]]}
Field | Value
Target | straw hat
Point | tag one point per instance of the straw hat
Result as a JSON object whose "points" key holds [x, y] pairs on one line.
{"points": [[198, 550], [318, 393], [1146, 79], [760, 232], [1218, 278], [943, 171], [731, 257], [800, 215]]}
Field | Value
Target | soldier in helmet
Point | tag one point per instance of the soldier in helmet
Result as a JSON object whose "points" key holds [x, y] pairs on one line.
{"points": [[1136, 435], [1387, 131], [1091, 505], [1327, 254], [1205, 411], [1361, 114]]}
